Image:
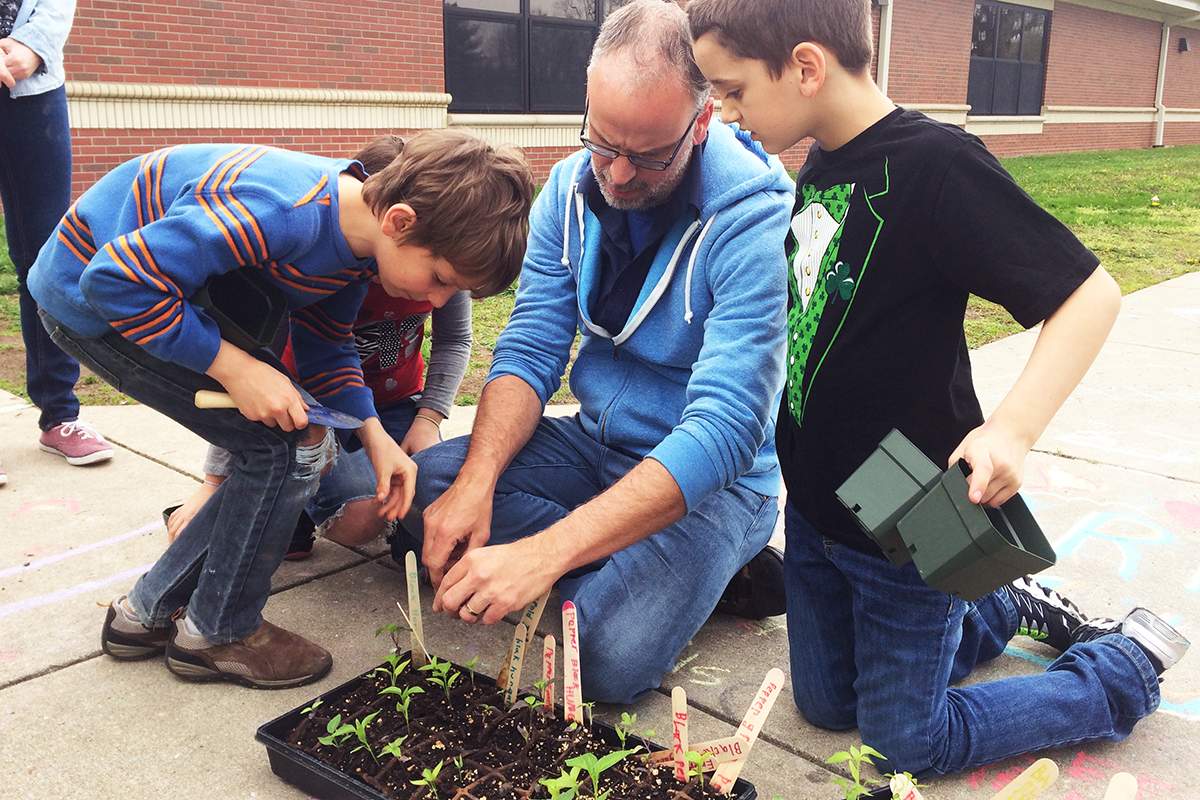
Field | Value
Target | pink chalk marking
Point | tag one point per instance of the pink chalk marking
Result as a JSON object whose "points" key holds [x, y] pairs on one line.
{"points": [[71, 506], [572, 681], [1187, 513], [46, 561]]}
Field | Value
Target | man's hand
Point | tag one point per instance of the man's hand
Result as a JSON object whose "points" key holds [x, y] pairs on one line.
{"points": [[261, 392], [997, 459], [496, 580], [395, 472], [459, 521], [19, 62]]}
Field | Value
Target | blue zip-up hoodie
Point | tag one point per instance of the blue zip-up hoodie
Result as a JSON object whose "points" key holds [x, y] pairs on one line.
{"points": [[693, 379]]}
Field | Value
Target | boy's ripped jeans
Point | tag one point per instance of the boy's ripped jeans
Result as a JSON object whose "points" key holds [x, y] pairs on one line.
{"points": [[220, 567]]}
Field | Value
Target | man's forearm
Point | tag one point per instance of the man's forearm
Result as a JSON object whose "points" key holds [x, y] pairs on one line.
{"points": [[1066, 347], [508, 414], [642, 503]]}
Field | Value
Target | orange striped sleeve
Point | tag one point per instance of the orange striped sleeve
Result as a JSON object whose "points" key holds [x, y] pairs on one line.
{"points": [[112, 253], [173, 309], [200, 189], [154, 336], [136, 318], [153, 265], [62, 237], [133, 259], [312, 192], [249, 217]]}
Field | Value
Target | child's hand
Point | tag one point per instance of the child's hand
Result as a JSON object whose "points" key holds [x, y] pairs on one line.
{"points": [[181, 516], [421, 435], [261, 392], [997, 459], [395, 472]]}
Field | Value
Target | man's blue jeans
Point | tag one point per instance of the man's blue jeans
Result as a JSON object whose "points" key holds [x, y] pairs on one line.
{"points": [[639, 607], [35, 185], [220, 567], [872, 646]]}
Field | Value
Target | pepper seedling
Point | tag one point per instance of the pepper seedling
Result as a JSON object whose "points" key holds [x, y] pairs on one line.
{"points": [[564, 787], [337, 732], [695, 765], [360, 733], [854, 759], [394, 669], [595, 767], [405, 695], [310, 709], [440, 674], [429, 778], [392, 748]]}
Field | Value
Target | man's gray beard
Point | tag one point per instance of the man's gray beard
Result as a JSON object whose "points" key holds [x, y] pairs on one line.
{"points": [[655, 197]]}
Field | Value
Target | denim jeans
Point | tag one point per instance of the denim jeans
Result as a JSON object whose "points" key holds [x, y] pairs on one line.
{"points": [[871, 645], [352, 477], [639, 607], [35, 186], [220, 567]]}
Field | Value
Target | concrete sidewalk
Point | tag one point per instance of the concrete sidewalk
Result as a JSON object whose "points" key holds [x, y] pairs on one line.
{"points": [[1115, 482]]}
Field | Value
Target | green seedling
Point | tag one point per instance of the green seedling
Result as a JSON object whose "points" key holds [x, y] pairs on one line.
{"points": [[695, 768], [309, 709], [589, 712], [394, 669], [854, 759], [429, 778], [471, 665], [360, 733], [595, 767], [564, 787], [405, 695], [337, 732], [458, 765], [440, 674], [392, 748], [628, 727]]}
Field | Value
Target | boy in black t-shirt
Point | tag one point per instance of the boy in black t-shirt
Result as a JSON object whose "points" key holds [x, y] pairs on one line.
{"points": [[897, 218]]}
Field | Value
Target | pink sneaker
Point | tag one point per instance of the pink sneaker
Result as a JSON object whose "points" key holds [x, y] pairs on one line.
{"points": [[76, 442]]}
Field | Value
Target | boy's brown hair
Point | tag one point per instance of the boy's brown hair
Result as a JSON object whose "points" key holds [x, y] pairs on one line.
{"points": [[471, 199], [768, 30]]}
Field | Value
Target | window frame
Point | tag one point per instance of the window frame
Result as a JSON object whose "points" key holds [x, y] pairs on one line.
{"points": [[995, 59], [525, 21]]}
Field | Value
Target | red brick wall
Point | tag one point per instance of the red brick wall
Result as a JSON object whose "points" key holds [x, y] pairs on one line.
{"points": [[1100, 58], [931, 51], [1182, 133], [392, 45], [97, 151], [1182, 89], [1076, 136]]}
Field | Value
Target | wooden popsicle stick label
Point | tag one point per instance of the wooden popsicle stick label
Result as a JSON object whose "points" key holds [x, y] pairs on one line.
{"points": [[752, 723], [903, 789], [516, 660], [548, 674], [572, 689], [1037, 778], [1123, 786], [719, 751], [530, 618], [414, 609], [679, 733]]}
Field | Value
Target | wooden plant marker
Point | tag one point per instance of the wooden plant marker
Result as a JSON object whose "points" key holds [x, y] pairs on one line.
{"points": [[1037, 778], [747, 732], [679, 733], [719, 751], [510, 675], [1123, 786], [548, 674], [903, 789], [572, 688], [420, 657]]}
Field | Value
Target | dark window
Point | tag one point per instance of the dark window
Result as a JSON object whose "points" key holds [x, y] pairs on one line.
{"points": [[520, 56], [1008, 59]]}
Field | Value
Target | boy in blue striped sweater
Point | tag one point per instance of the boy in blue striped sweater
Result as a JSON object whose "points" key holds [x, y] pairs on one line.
{"points": [[116, 284]]}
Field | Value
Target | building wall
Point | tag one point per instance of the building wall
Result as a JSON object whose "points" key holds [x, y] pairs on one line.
{"points": [[931, 51], [1074, 137], [1099, 58], [365, 44], [1182, 89]]}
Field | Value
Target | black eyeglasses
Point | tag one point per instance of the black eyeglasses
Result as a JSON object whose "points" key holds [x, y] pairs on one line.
{"points": [[641, 162]]}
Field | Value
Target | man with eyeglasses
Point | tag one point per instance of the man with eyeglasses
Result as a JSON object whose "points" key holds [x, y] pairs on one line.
{"points": [[653, 506]]}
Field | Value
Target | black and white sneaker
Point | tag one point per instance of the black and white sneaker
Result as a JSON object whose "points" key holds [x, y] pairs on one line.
{"points": [[1161, 643], [1045, 615]]}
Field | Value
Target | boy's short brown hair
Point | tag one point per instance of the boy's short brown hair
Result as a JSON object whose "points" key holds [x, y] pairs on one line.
{"points": [[472, 203], [768, 30], [378, 153]]}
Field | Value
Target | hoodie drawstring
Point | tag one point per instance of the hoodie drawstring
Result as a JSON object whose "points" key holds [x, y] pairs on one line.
{"points": [[687, 281], [566, 261]]}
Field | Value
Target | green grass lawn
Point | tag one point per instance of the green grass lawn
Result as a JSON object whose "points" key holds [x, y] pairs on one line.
{"points": [[1103, 197]]}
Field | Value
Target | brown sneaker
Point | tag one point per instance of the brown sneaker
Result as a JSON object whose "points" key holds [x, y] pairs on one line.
{"points": [[125, 638], [269, 658]]}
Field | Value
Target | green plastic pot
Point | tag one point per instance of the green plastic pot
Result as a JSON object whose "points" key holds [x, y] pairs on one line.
{"points": [[885, 488], [969, 550]]}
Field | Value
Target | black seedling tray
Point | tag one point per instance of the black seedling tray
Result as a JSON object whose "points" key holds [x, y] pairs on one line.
{"points": [[326, 782]]}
